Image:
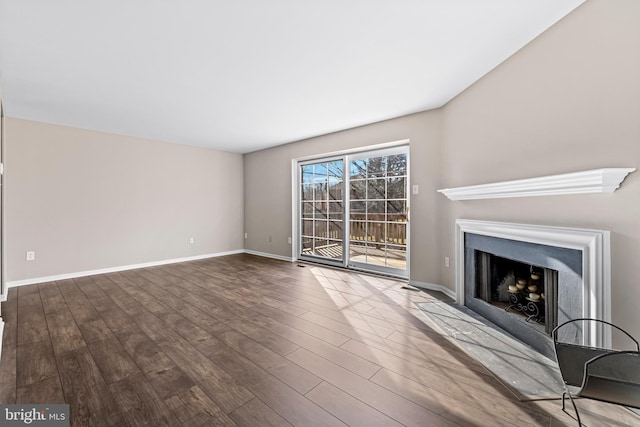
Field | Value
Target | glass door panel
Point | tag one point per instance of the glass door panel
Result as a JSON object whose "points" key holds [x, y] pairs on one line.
{"points": [[378, 213], [321, 210]]}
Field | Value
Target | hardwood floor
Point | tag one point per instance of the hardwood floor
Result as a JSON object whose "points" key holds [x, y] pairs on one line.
{"points": [[250, 341]]}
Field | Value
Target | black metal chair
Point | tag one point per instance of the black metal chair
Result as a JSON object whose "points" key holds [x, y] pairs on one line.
{"points": [[605, 374]]}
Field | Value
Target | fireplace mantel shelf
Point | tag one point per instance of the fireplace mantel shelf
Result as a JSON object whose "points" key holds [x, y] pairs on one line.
{"points": [[606, 180]]}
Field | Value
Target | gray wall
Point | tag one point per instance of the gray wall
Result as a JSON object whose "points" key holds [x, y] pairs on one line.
{"points": [[2, 263], [86, 200], [268, 183], [568, 101]]}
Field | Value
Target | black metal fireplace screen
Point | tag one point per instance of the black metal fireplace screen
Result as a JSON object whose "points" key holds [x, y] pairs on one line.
{"points": [[527, 291]]}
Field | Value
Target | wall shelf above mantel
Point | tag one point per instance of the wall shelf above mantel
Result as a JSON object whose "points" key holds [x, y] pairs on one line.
{"points": [[605, 180]]}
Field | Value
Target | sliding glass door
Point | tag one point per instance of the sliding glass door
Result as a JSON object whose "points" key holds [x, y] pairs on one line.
{"points": [[365, 227]]}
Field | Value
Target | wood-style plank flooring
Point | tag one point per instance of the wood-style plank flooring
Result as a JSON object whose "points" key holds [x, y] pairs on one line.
{"points": [[250, 341]]}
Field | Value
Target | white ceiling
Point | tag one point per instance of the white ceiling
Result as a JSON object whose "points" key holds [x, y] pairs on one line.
{"points": [[248, 74]]}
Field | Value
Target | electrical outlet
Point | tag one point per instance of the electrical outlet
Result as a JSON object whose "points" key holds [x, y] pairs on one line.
{"points": [[191, 240], [246, 235], [289, 240], [446, 261], [31, 256], [415, 189]]}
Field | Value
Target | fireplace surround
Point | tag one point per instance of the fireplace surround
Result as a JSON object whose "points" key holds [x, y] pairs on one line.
{"points": [[580, 259]]}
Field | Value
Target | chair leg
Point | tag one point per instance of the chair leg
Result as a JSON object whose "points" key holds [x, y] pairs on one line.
{"points": [[575, 408]]}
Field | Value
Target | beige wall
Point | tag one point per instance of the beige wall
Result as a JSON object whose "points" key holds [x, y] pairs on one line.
{"points": [[87, 200], [268, 183], [568, 101], [2, 257]]}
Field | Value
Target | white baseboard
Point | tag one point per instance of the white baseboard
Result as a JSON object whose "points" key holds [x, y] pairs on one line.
{"points": [[35, 280], [268, 255], [15, 283], [432, 287], [1, 333]]}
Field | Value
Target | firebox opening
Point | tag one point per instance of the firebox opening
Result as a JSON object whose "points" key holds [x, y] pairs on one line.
{"points": [[526, 292]]}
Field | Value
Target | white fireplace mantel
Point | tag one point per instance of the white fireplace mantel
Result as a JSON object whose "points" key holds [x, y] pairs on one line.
{"points": [[596, 261], [605, 180]]}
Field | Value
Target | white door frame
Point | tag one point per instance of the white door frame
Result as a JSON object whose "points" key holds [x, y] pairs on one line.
{"points": [[346, 155]]}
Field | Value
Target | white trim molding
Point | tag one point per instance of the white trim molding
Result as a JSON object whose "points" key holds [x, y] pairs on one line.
{"points": [[45, 279], [433, 287], [605, 180], [596, 259], [1, 335], [268, 255]]}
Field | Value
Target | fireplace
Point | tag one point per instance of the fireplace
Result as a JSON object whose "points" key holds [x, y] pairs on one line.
{"points": [[528, 292], [528, 279]]}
